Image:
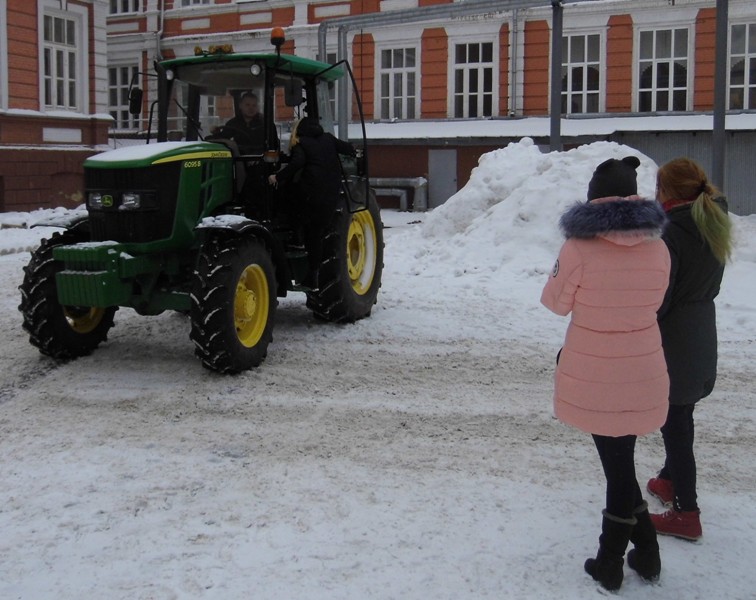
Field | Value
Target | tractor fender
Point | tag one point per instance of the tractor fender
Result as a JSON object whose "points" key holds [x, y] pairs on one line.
{"points": [[74, 220], [241, 226]]}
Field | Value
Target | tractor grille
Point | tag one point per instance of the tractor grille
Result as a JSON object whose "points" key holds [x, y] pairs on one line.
{"points": [[157, 185]]}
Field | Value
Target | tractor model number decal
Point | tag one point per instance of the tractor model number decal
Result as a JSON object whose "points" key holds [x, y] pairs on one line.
{"points": [[192, 164]]}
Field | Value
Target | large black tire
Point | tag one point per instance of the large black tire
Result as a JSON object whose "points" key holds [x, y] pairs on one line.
{"points": [[350, 275], [62, 332], [233, 304]]}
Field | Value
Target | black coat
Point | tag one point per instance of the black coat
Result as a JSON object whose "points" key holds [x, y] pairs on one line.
{"points": [[250, 137], [687, 318], [317, 157]]}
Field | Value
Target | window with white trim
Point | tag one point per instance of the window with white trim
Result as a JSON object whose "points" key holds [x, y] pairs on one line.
{"points": [[398, 75], [119, 81], [743, 66], [663, 70], [194, 2], [581, 73], [124, 7], [59, 63], [473, 80]]}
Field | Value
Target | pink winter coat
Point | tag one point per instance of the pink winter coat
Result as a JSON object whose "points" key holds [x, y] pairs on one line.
{"points": [[611, 274]]}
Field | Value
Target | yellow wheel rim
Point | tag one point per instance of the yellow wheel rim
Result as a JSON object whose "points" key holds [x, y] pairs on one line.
{"points": [[83, 319], [251, 305], [361, 251]]}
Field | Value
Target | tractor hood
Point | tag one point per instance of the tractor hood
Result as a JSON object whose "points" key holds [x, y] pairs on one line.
{"points": [[156, 153]]}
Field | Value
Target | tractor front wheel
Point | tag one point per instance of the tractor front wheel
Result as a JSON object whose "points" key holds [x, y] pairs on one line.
{"points": [[233, 304], [58, 331]]}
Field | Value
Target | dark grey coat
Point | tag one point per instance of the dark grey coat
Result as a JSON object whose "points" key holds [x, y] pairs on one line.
{"points": [[687, 318]]}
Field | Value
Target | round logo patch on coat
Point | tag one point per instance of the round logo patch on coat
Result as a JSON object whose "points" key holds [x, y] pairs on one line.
{"points": [[555, 270]]}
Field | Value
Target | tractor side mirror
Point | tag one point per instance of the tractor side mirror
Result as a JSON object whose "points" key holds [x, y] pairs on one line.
{"points": [[293, 92], [135, 100]]}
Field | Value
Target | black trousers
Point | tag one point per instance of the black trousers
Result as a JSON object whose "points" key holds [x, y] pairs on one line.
{"points": [[617, 454], [680, 463], [318, 218]]}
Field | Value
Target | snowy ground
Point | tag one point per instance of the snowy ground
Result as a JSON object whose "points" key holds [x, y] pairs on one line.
{"points": [[412, 455]]}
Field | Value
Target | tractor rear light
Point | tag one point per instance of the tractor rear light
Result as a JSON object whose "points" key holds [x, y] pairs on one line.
{"points": [[130, 201]]}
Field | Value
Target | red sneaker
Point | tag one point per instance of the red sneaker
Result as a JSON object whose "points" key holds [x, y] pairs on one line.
{"points": [[662, 490], [685, 525]]}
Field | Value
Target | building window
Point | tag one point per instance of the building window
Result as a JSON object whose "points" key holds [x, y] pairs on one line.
{"points": [[123, 7], [743, 67], [398, 83], [581, 73], [59, 63], [663, 70], [473, 80], [194, 2], [119, 81]]}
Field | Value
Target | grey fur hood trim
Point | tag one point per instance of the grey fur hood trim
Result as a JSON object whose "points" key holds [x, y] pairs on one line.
{"points": [[592, 219]]}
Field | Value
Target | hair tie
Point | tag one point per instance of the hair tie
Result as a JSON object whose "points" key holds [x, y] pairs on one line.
{"points": [[702, 187]]}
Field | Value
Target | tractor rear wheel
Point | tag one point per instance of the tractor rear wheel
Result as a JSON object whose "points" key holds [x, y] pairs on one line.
{"points": [[233, 304], [58, 331], [350, 275]]}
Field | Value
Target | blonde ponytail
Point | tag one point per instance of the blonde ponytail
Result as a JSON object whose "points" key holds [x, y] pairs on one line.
{"points": [[684, 179], [714, 224]]}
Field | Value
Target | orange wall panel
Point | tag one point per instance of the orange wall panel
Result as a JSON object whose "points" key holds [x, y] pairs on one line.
{"points": [[536, 60], [704, 59], [434, 62], [503, 70], [619, 64], [363, 65]]}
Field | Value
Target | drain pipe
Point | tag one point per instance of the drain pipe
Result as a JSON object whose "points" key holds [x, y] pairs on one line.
{"points": [[159, 32], [513, 63]]}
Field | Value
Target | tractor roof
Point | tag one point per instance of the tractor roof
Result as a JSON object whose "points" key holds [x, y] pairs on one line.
{"points": [[287, 63]]}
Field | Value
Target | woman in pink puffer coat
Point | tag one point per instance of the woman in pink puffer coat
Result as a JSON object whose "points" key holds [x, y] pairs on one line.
{"points": [[611, 378]]}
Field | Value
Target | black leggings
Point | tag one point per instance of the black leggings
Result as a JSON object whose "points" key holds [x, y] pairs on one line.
{"points": [[617, 454], [680, 464]]}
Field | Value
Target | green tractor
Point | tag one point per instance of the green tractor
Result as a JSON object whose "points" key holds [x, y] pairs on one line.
{"points": [[189, 222]]}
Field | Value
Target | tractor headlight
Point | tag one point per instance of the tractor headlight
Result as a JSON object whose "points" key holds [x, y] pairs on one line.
{"points": [[130, 201], [94, 200]]}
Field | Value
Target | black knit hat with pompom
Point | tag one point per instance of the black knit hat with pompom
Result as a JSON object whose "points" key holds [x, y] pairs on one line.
{"points": [[614, 178]]}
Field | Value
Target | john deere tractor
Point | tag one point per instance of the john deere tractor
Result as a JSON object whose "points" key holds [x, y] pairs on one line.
{"points": [[188, 222]]}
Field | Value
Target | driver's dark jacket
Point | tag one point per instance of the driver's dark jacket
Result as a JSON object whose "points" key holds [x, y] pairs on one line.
{"points": [[250, 137]]}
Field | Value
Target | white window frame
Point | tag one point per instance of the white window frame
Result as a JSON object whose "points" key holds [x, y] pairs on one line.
{"points": [[656, 61], [132, 7], [748, 87], [121, 88], [191, 3], [77, 14], [407, 102], [467, 68], [478, 30], [568, 68]]}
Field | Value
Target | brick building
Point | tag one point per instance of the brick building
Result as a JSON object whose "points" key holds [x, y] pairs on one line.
{"points": [[53, 98], [620, 57]]}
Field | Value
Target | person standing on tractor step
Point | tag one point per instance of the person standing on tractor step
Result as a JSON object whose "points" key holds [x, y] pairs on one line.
{"points": [[611, 379], [316, 154], [699, 242]]}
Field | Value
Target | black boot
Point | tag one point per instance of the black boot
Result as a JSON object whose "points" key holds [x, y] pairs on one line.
{"points": [[644, 559], [606, 568]]}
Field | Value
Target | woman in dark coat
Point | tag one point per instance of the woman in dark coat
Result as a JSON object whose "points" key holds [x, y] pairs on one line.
{"points": [[315, 154], [699, 242]]}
